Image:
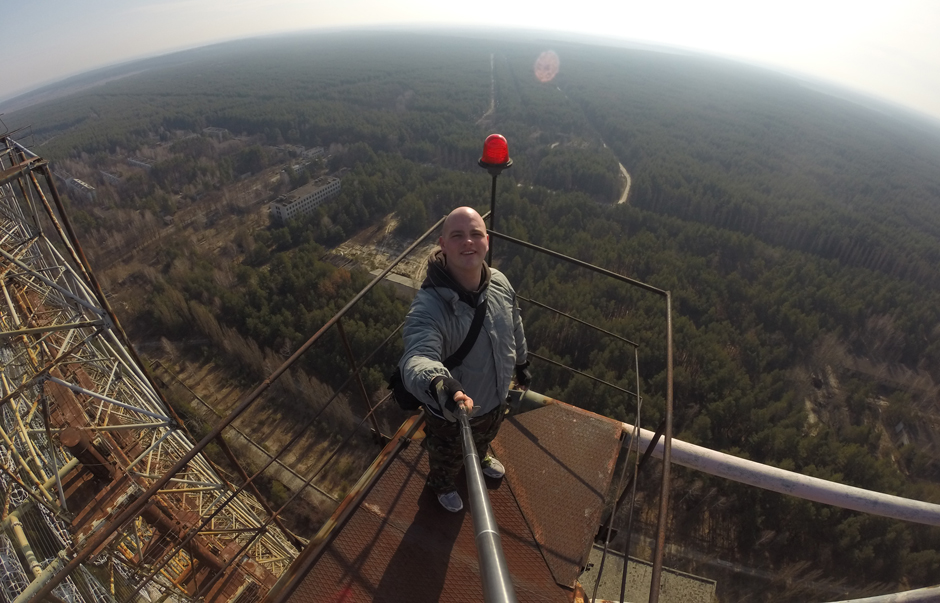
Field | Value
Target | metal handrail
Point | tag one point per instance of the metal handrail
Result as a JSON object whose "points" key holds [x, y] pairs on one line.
{"points": [[662, 519], [774, 479]]}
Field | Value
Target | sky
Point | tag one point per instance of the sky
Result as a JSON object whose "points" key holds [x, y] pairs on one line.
{"points": [[889, 49]]}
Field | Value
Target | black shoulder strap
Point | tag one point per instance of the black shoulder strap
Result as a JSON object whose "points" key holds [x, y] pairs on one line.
{"points": [[476, 326]]}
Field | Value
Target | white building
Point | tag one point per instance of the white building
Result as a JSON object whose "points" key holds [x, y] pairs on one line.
{"points": [[81, 189], [303, 200]]}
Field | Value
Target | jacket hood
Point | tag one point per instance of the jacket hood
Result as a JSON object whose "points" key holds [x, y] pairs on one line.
{"points": [[438, 276]]}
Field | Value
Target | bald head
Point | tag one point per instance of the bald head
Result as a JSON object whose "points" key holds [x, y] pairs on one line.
{"points": [[459, 215]]}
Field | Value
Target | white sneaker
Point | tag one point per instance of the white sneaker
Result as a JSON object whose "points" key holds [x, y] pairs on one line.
{"points": [[450, 501], [492, 467]]}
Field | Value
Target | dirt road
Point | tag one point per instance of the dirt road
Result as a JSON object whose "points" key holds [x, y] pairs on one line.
{"points": [[626, 190]]}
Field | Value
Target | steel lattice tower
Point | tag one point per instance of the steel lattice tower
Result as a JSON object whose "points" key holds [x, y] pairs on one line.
{"points": [[83, 432]]}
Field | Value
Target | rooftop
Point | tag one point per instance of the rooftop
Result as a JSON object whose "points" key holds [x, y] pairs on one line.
{"points": [[306, 189]]}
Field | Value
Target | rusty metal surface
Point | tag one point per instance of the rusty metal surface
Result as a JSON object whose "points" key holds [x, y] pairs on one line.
{"points": [[63, 351], [400, 545], [562, 462], [17, 170]]}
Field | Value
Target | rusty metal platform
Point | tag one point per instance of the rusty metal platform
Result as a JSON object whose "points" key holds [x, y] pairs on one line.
{"points": [[400, 545]]}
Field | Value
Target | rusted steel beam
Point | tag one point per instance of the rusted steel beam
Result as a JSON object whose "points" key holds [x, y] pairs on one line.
{"points": [[272, 459], [216, 584], [165, 520], [52, 453], [36, 330], [43, 374], [71, 242], [76, 258], [12, 173], [81, 390], [295, 574]]}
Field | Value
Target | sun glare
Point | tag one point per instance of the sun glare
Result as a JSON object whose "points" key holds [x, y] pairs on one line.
{"points": [[546, 66]]}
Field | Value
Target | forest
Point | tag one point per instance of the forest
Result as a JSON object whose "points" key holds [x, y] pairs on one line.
{"points": [[797, 232]]}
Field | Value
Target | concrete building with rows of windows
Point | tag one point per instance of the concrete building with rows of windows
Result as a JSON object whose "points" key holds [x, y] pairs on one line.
{"points": [[303, 200], [81, 189]]}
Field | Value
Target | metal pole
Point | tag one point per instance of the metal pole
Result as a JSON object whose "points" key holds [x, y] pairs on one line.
{"points": [[207, 587], [641, 462], [791, 483], [921, 595], [497, 584], [656, 574], [609, 529], [635, 478], [52, 453], [46, 575], [489, 256]]}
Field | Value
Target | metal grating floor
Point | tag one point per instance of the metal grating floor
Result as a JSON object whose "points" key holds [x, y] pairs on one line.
{"points": [[400, 545], [563, 461]]}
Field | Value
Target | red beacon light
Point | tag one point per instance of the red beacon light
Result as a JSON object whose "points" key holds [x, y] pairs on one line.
{"points": [[495, 154], [495, 159]]}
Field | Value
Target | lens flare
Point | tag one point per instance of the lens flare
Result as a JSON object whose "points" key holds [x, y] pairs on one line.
{"points": [[546, 66]]}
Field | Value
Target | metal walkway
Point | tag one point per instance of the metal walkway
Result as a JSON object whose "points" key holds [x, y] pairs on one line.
{"points": [[400, 545]]}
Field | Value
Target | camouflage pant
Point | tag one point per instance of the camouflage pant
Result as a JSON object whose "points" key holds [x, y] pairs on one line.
{"points": [[445, 452]]}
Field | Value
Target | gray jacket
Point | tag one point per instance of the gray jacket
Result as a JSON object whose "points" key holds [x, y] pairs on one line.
{"points": [[437, 324]]}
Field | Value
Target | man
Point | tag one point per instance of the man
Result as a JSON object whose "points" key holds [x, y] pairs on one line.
{"points": [[437, 324]]}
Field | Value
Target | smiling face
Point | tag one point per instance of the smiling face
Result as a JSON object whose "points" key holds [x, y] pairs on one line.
{"points": [[464, 242]]}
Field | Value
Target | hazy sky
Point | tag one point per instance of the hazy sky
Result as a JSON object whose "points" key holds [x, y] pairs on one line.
{"points": [[887, 48]]}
